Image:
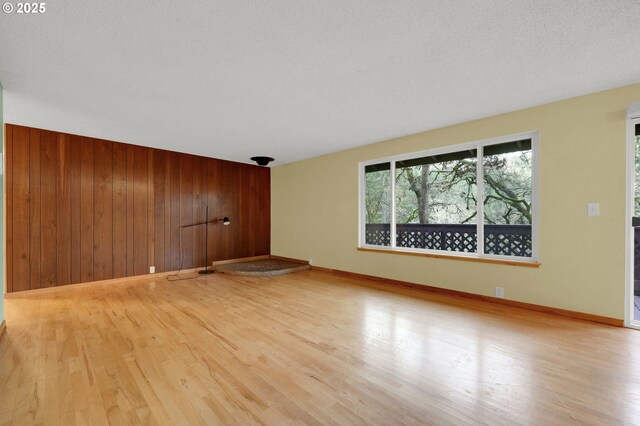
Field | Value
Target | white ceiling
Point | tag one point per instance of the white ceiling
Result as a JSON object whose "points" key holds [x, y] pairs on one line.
{"points": [[296, 79]]}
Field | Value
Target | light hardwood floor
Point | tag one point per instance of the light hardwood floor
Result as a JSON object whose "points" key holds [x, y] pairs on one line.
{"points": [[307, 348]]}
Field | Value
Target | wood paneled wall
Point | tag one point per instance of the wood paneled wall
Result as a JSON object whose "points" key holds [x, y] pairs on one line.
{"points": [[80, 209]]}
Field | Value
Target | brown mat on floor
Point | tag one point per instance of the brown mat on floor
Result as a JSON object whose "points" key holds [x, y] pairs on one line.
{"points": [[261, 268]]}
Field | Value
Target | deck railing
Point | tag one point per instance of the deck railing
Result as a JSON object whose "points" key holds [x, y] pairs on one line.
{"points": [[507, 240]]}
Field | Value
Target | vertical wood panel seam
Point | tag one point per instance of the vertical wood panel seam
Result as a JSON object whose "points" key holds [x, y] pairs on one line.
{"points": [[111, 274], [150, 209], [55, 199], [29, 201], [113, 217], [132, 176], [93, 216]]}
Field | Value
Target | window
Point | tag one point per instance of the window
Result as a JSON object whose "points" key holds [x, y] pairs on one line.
{"points": [[476, 199], [378, 204], [636, 203]]}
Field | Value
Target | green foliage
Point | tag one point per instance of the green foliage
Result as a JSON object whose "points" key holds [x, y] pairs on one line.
{"points": [[378, 197], [446, 192], [437, 193], [507, 197]]}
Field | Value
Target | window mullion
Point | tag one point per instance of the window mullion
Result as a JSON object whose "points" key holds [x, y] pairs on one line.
{"points": [[392, 225], [480, 200]]}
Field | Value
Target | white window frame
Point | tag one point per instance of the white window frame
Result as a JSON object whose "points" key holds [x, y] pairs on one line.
{"points": [[633, 118], [479, 146]]}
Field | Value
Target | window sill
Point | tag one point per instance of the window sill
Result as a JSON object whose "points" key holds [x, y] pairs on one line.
{"points": [[526, 264]]}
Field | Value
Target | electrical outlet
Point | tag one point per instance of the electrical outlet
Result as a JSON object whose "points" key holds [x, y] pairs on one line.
{"points": [[500, 292], [152, 269]]}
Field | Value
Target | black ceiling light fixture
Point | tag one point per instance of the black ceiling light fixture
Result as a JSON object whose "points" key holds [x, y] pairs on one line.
{"points": [[262, 161]]}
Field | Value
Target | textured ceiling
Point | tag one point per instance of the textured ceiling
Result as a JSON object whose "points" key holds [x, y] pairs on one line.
{"points": [[296, 79]]}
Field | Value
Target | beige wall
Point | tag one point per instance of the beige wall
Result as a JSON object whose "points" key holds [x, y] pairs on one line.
{"points": [[314, 208]]}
